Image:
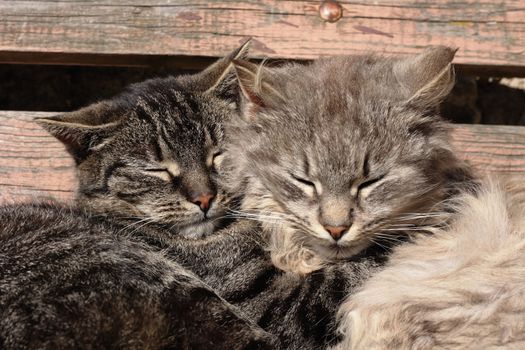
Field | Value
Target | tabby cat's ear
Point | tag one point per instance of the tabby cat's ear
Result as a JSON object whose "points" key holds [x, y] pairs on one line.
{"points": [[82, 130], [256, 82], [428, 77], [219, 78]]}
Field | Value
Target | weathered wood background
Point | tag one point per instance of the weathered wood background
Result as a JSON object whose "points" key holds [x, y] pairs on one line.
{"points": [[127, 32], [32, 163], [490, 34]]}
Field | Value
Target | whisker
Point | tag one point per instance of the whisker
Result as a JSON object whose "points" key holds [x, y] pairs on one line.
{"points": [[137, 225], [371, 239]]}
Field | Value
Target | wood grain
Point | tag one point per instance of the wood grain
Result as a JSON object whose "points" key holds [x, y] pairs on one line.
{"points": [[492, 148], [487, 32], [33, 164]]}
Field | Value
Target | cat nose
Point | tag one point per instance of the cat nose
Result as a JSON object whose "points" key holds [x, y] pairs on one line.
{"points": [[202, 200], [336, 231]]}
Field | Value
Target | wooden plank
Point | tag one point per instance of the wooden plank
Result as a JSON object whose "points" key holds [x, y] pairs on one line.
{"points": [[34, 164], [488, 33], [492, 148]]}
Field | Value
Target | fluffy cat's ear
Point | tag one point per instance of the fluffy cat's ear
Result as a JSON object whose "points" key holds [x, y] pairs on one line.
{"points": [[219, 78], [82, 130], [256, 84], [428, 77]]}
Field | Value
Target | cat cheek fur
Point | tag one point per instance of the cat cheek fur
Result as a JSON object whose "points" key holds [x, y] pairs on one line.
{"points": [[306, 213]]}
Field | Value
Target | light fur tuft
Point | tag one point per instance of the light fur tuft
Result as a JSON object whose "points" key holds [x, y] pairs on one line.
{"points": [[288, 254], [465, 285]]}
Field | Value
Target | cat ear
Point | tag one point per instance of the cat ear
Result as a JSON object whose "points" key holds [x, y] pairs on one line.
{"points": [[428, 77], [256, 84], [219, 78], [82, 130]]}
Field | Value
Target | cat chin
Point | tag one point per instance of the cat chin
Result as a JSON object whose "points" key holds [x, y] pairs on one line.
{"points": [[197, 230], [200, 225], [336, 251]]}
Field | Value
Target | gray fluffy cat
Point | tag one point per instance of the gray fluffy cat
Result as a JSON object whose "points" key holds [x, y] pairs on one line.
{"points": [[344, 153], [350, 152], [336, 159]]}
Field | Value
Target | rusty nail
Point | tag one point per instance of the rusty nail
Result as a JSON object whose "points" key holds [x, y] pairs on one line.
{"points": [[330, 11]]}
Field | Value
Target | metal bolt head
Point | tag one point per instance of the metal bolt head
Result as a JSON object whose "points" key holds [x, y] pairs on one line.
{"points": [[330, 11]]}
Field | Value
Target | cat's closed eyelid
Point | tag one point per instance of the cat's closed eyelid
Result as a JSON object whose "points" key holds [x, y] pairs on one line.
{"points": [[153, 169], [161, 173], [370, 182], [172, 167], [166, 170], [362, 188], [302, 180], [313, 186], [215, 159]]}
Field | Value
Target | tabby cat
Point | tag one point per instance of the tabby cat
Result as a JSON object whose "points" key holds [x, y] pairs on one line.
{"points": [[72, 281], [81, 278], [344, 153]]}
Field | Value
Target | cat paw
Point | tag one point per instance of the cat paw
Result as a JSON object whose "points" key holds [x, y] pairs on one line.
{"points": [[301, 261]]}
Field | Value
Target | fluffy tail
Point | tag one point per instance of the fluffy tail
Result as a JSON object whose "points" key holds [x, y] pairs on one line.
{"points": [[464, 285]]}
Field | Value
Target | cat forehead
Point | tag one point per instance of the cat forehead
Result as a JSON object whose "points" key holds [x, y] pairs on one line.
{"points": [[338, 150], [163, 133], [177, 114], [341, 85]]}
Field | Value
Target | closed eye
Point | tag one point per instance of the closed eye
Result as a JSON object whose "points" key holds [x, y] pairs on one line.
{"points": [[161, 173], [156, 170], [368, 183], [216, 154], [216, 159], [303, 181]]}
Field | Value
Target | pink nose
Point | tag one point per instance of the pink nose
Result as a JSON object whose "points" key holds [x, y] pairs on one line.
{"points": [[336, 231], [202, 200]]}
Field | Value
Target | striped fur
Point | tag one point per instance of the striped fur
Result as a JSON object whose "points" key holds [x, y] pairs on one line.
{"points": [[121, 248], [299, 310], [72, 281], [88, 278], [150, 150]]}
